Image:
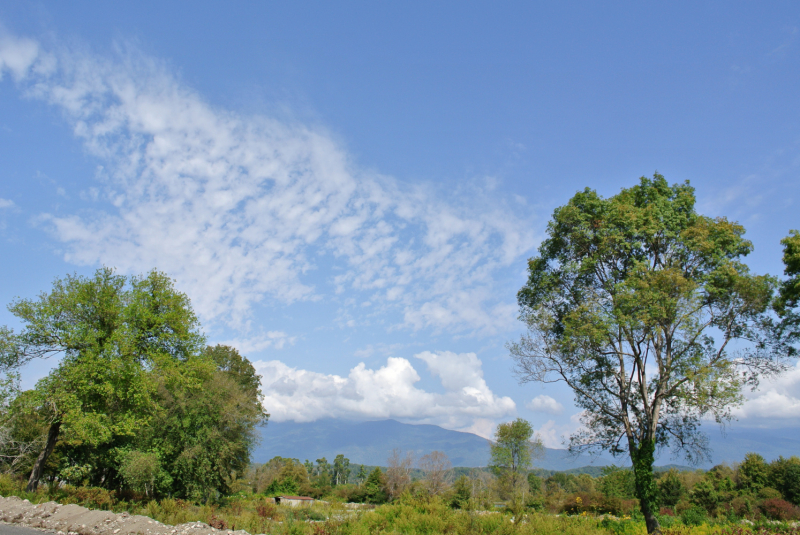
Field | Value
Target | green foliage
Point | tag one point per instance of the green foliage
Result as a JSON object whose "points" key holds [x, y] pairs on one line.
{"points": [[341, 470], [705, 495], [535, 483], [784, 476], [790, 289], [291, 479], [671, 489], [753, 473], [617, 482], [462, 493], [375, 487], [619, 304], [513, 451], [694, 516], [136, 402], [142, 472]]}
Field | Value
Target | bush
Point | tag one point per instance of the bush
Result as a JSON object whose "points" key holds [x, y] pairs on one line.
{"points": [[577, 504], [778, 509], [621, 527], [694, 516], [741, 506], [91, 497], [670, 488], [10, 485], [614, 506], [768, 493]]}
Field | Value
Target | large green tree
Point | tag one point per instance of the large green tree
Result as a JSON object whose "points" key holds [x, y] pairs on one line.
{"points": [[644, 308], [209, 413], [108, 330], [787, 329], [136, 400]]}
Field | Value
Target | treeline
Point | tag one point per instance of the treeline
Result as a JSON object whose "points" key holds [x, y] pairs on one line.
{"points": [[752, 489], [137, 403]]}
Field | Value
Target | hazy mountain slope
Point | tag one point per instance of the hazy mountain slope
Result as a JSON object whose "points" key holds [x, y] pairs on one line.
{"points": [[371, 443]]}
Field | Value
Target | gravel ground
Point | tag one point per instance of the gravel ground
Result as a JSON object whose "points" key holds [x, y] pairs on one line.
{"points": [[77, 520]]}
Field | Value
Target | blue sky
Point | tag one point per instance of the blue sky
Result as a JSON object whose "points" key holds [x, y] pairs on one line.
{"points": [[348, 192]]}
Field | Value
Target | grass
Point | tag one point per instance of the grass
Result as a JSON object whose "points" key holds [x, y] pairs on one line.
{"points": [[410, 515]]}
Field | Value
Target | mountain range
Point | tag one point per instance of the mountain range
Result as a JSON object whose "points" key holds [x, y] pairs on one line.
{"points": [[371, 443]]}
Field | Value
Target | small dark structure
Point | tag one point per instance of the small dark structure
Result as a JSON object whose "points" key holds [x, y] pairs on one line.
{"points": [[294, 501]]}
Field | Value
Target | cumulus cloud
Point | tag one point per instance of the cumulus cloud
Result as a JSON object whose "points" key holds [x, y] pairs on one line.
{"points": [[776, 402], [545, 404], [555, 435], [388, 392], [243, 210]]}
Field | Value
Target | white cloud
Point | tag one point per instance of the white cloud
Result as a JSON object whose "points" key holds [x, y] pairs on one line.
{"points": [[16, 55], [6, 203], [777, 401], [555, 435], [545, 404], [242, 210], [388, 392]]}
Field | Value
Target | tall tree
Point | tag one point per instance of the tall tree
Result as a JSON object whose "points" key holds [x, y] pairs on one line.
{"points": [[787, 329], [206, 426], [341, 470], [109, 330], [621, 304]]}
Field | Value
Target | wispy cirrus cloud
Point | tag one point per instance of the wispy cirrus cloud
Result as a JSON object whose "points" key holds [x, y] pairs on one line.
{"points": [[244, 210]]}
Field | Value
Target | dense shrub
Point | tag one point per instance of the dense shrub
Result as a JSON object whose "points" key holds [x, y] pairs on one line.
{"points": [[92, 497], [742, 507], [694, 516], [671, 488], [778, 509]]}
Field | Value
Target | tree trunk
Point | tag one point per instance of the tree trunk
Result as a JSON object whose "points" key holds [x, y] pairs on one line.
{"points": [[646, 491], [38, 466]]}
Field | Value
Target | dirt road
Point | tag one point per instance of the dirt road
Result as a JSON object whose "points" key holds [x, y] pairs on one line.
{"points": [[76, 520]]}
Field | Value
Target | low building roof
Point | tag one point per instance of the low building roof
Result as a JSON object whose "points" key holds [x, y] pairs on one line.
{"points": [[295, 497]]}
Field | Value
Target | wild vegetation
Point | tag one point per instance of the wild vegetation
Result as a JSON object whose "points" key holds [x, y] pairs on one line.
{"points": [[753, 496]]}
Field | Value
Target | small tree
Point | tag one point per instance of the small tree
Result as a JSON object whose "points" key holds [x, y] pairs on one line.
{"points": [[361, 475], [438, 471], [341, 470], [374, 488], [139, 470], [462, 494], [753, 473], [513, 451], [671, 488], [398, 473], [621, 304]]}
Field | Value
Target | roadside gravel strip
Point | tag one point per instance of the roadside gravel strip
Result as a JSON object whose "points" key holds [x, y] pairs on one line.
{"points": [[77, 520]]}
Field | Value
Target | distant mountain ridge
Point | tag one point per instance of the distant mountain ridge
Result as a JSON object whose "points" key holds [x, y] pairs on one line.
{"points": [[371, 443]]}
